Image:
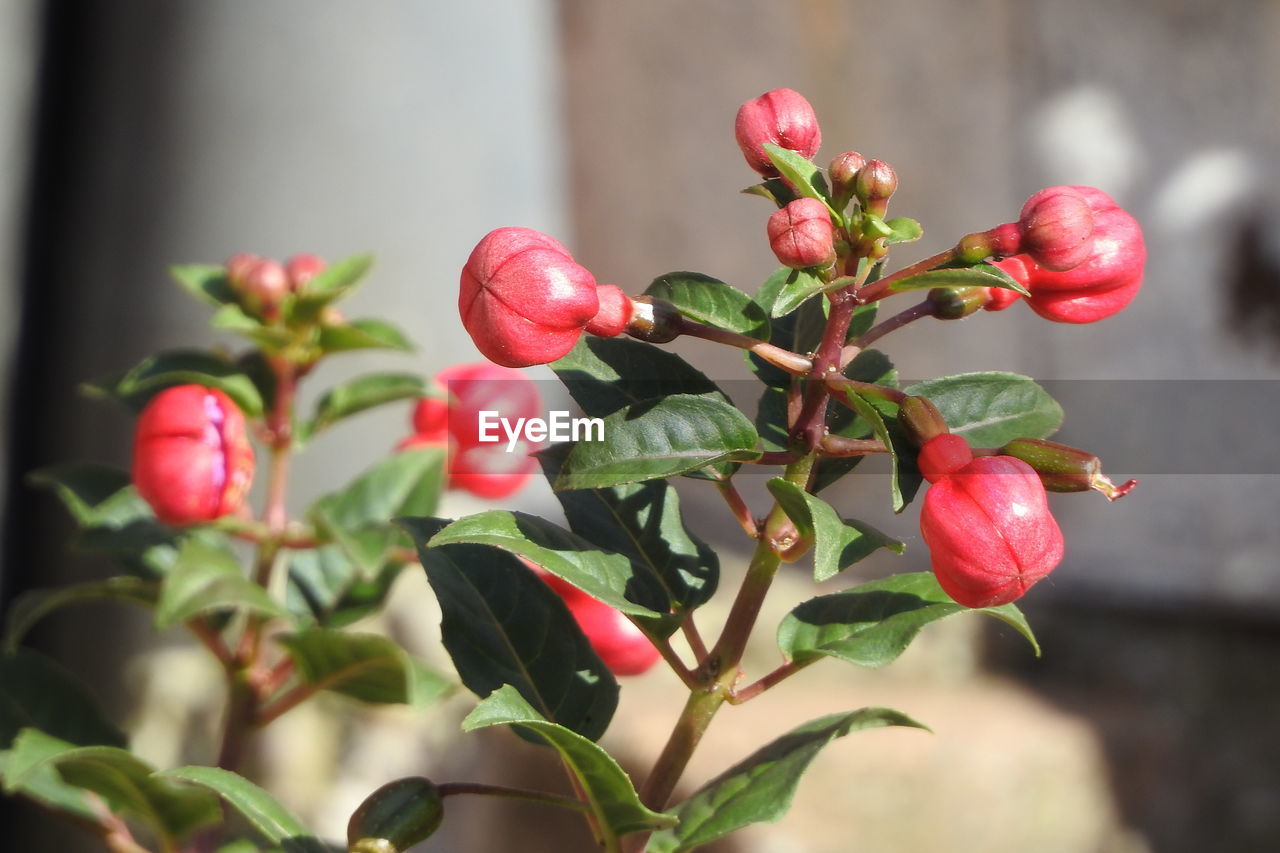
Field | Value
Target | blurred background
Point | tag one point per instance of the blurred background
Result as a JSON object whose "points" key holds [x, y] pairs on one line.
{"points": [[139, 133]]}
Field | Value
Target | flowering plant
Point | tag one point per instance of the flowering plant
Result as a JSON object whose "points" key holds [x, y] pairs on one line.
{"points": [[541, 618]]}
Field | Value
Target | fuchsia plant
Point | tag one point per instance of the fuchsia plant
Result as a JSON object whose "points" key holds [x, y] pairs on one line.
{"points": [[541, 618]]}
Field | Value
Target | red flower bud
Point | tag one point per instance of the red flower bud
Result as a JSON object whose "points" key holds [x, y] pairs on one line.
{"points": [[781, 117], [1101, 285], [301, 268], [261, 283], [943, 455], [620, 644], [801, 234], [615, 312], [989, 531], [1056, 225], [191, 459], [488, 469], [843, 171], [875, 185], [524, 300]]}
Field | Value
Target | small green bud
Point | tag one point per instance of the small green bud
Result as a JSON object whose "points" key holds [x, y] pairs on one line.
{"points": [[654, 321], [921, 420], [952, 303], [1065, 469], [395, 817]]}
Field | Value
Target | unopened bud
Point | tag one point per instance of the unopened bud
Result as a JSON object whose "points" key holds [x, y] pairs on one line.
{"points": [[1065, 469], [875, 185], [655, 321], [953, 303], [614, 314], [396, 816], [843, 172], [301, 268], [262, 287], [801, 234], [1056, 226], [921, 420]]}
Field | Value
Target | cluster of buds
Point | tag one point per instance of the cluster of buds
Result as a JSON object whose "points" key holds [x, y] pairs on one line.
{"points": [[192, 461], [487, 469], [263, 283]]}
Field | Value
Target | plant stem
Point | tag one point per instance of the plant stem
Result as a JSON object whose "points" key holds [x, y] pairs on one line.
{"points": [[451, 789], [698, 712], [878, 331], [777, 356], [738, 507], [880, 289], [751, 691]]}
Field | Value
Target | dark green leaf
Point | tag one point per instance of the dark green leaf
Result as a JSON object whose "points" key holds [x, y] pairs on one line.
{"points": [[799, 331], [34, 605], [872, 624], [206, 579], [798, 286], [503, 625], [642, 521], [838, 543], [363, 334], [38, 693], [991, 409], [658, 439], [367, 667], [258, 807], [326, 588], [760, 789], [135, 388], [335, 282], [711, 301], [362, 393], [904, 229], [609, 792], [771, 419], [604, 575], [806, 178], [872, 416], [983, 275], [45, 785], [206, 282], [773, 189], [126, 783], [604, 375]]}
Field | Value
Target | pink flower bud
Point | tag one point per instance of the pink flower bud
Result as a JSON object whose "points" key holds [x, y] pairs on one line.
{"points": [[989, 531], [192, 461], [1056, 225], [875, 185], [620, 644], [488, 469], [615, 312], [523, 299], [843, 171], [301, 268], [238, 266], [943, 455], [261, 283], [781, 117], [1102, 284], [801, 234]]}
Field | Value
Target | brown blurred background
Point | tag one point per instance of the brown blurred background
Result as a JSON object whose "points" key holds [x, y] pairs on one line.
{"points": [[140, 133]]}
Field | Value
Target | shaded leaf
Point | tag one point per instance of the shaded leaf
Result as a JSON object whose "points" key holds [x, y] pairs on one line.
{"points": [[206, 282], [258, 807], [760, 788], [38, 693], [604, 375], [609, 792], [992, 408], [711, 301], [872, 624], [658, 439], [135, 388], [33, 605], [367, 667], [206, 579], [502, 625], [326, 588], [838, 543]]}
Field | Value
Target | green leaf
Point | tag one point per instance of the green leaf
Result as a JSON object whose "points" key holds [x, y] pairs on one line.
{"points": [[233, 318], [258, 807], [32, 606], [773, 189], [207, 282], [983, 275], [711, 301], [990, 409], [658, 439], [367, 667], [604, 375], [335, 282], [799, 331], [46, 786], [41, 694], [359, 517], [903, 229], [872, 624], [838, 543], [361, 394], [363, 334], [609, 577], [643, 522], [760, 788], [804, 177], [127, 784], [135, 388], [797, 287], [872, 416], [503, 625], [326, 588], [609, 792], [206, 579]]}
